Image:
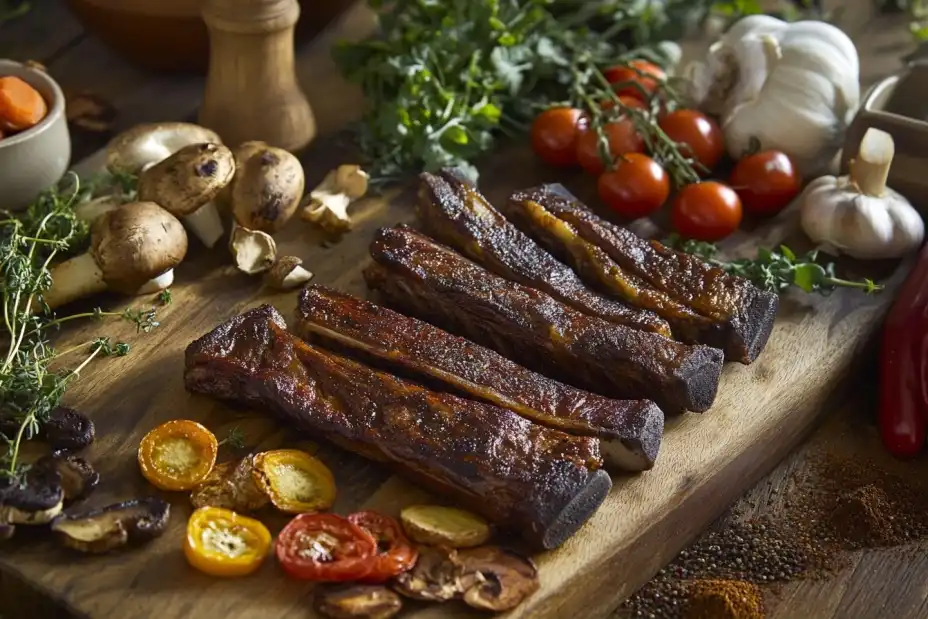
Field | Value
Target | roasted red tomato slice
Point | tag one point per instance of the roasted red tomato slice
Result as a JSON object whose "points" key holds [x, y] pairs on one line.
{"points": [[395, 553], [325, 547]]}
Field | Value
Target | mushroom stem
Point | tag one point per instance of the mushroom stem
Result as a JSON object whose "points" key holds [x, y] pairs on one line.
{"points": [[206, 224], [74, 278], [92, 209], [870, 169], [158, 284]]}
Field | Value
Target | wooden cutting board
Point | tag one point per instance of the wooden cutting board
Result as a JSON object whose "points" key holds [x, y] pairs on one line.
{"points": [[705, 463]]}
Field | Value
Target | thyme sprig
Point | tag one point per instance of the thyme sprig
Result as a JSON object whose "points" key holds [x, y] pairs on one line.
{"points": [[777, 270], [33, 374]]}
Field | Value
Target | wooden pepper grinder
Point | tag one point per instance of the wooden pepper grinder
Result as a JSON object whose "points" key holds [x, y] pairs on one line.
{"points": [[251, 89]]}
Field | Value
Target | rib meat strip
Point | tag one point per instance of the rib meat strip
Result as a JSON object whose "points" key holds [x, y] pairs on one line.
{"points": [[520, 475], [721, 310], [629, 430], [455, 213], [421, 277]]}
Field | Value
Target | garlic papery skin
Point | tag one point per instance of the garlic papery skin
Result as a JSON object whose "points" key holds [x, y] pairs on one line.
{"points": [[858, 215], [788, 87]]}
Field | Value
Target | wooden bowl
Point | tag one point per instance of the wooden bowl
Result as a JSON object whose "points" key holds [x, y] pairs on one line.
{"points": [[169, 35]]}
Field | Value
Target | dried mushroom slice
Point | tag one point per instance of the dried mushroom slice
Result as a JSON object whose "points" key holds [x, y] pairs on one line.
{"points": [[357, 602], [68, 428], [117, 525], [437, 576], [35, 499], [77, 476], [497, 579], [444, 526], [231, 485]]}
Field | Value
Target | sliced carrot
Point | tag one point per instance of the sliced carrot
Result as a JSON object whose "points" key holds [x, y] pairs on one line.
{"points": [[21, 105]]}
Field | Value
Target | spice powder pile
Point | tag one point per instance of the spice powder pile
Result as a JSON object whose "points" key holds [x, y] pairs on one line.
{"points": [[838, 504], [724, 599]]}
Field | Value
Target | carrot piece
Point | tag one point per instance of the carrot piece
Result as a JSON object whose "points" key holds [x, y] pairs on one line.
{"points": [[21, 105]]}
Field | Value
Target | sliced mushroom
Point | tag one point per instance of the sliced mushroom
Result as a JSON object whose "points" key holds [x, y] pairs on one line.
{"points": [[437, 576], [34, 499], [439, 525], [357, 602], [129, 246], [287, 273], [267, 188], [328, 203], [117, 525], [497, 579], [67, 428], [137, 149], [78, 479], [187, 182], [231, 485], [253, 251]]}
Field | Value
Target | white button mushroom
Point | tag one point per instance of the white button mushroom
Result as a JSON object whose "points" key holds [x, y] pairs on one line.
{"points": [[129, 246], [142, 146], [267, 188], [186, 184]]}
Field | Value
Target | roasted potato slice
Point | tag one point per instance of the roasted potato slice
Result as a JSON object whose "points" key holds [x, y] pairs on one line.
{"points": [[438, 525]]}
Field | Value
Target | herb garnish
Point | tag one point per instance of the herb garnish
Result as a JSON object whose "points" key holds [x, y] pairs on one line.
{"points": [[164, 297], [234, 439], [776, 270], [33, 374]]}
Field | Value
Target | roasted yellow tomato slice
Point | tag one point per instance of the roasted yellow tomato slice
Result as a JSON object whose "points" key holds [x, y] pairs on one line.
{"points": [[178, 455], [222, 543], [295, 481]]}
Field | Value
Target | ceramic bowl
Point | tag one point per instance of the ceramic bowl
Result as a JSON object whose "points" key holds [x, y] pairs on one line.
{"points": [[37, 158], [898, 105]]}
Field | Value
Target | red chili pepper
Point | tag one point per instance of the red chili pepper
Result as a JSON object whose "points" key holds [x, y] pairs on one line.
{"points": [[903, 413]]}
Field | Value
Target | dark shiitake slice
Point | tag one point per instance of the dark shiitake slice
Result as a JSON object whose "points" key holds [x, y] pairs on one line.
{"points": [[34, 498], [357, 602], [109, 528], [67, 428], [497, 579], [78, 479], [436, 577], [6, 531]]}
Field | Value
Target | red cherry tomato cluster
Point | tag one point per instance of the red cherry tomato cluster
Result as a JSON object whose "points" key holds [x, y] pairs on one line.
{"points": [[760, 184]]}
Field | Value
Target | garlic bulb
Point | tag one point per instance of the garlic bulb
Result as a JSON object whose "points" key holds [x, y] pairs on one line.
{"points": [[858, 214], [792, 87]]}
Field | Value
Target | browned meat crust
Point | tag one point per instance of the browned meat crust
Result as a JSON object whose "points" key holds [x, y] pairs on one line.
{"points": [[421, 277], [718, 309], [455, 213], [520, 475], [630, 431]]}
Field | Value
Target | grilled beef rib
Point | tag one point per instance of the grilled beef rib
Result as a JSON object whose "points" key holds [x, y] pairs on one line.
{"points": [[629, 430], [424, 278], [521, 475]]}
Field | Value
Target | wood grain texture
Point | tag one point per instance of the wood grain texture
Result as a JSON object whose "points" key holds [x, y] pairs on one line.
{"points": [[706, 462]]}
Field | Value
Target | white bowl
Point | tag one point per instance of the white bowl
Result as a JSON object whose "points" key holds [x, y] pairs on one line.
{"points": [[35, 159]]}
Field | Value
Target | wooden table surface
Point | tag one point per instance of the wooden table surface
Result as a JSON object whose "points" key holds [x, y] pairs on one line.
{"points": [[886, 583]]}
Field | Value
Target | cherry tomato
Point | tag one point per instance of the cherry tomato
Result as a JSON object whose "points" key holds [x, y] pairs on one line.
{"points": [[700, 136], [622, 137], [626, 100], [706, 211], [395, 553], [554, 135], [177, 455], [766, 182], [637, 186], [325, 547], [222, 543], [627, 73]]}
